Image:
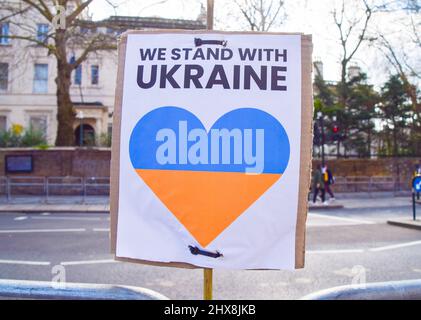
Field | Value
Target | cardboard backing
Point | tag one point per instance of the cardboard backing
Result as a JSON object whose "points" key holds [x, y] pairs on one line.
{"points": [[305, 148]]}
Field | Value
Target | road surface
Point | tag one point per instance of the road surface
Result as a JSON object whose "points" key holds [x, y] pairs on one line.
{"points": [[344, 246]]}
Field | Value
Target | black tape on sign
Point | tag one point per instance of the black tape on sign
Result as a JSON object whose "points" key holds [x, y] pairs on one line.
{"points": [[196, 251], [199, 42]]}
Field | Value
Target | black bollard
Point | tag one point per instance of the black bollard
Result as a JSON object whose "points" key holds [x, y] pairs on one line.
{"points": [[414, 210]]}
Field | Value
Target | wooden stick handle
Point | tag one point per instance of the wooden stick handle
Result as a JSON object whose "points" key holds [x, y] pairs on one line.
{"points": [[207, 284]]}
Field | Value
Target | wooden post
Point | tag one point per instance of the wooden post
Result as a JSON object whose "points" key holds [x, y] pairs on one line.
{"points": [[207, 284], [209, 14], [208, 273]]}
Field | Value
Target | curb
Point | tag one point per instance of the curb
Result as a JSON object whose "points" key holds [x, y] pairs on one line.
{"points": [[410, 224], [20, 209], [325, 207]]}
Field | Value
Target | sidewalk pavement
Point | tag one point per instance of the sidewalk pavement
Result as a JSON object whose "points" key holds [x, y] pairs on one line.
{"points": [[53, 207], [101, 205], [321, 206], [356, 201]]}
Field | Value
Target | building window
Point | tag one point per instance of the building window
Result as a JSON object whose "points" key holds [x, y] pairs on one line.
{"points": [[3, 123], [41, 78], [38, 124], [42, 32], [94, 74], [4, 33], [4, 76], [78, 75], [78, 72]]}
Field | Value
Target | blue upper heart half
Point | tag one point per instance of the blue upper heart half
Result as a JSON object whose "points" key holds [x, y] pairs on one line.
{"points": [[275, 148]]}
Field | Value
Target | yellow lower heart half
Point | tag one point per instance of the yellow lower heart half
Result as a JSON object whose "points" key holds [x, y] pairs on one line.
{"points": [[207, 202]]}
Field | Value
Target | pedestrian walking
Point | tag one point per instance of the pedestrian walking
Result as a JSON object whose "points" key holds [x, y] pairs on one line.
{"points": [[318, 185], [417, 171], [328, 180]]}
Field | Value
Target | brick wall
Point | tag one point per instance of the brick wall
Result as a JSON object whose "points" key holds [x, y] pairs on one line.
{"points": [[401, 168], [95, 162], [63, 162]]}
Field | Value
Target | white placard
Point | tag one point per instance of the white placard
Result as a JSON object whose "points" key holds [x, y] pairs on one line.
{"points": [[209, 149]]}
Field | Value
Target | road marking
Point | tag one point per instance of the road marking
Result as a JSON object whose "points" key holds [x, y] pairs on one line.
{"points": [[351, 272], [45, 214], [101, 229], [396, 246], [166, 283], [357, 221], [335, 251], [31, 263], [75, 263], [20, 218], [303, 280], [67, 218], [41, 230]]}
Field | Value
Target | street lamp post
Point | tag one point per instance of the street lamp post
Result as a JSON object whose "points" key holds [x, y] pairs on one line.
{"points": [[338, 142], [320, 117]]}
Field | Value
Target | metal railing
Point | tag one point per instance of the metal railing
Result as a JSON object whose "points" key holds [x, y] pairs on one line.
{"points": [[54, 189], [3, 187], [371, 184], [393, 290], [22, 289], [96, 189]]}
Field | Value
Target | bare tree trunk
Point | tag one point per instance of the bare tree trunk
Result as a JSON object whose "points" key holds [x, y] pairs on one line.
{"points": [[65, 113], [395, 139]]}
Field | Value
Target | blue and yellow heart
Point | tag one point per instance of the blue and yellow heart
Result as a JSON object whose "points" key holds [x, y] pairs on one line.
{"points": [[207, 179]]}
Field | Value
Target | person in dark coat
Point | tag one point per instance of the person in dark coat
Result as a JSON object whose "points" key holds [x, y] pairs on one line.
{"points": [[318, 185]]}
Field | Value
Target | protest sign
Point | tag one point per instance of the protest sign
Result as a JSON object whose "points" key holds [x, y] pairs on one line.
{"points": [[211, 149]]}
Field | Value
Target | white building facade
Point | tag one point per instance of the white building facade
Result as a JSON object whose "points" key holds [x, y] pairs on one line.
{"points": [[27, 77]]}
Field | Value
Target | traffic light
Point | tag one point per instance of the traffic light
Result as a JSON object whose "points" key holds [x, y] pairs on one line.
{"points": [[336, 134]]}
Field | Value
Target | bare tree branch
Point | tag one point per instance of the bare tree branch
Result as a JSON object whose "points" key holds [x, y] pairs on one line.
{"points": [[345, 33], [45, 13], [13, 13], [261, 15], [71, 17]]}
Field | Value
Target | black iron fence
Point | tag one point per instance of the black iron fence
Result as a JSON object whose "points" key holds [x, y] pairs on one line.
{"points": [[97, 189], [372, 184], [54, 189]]}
